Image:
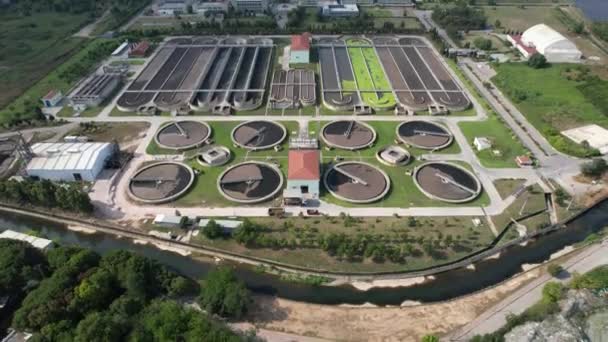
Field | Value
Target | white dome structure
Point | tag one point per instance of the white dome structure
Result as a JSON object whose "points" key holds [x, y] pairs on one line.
{"points": [[553, 45]]}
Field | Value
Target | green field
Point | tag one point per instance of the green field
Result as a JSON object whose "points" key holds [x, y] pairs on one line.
{"points": [[297, 244], [31, 47], [502, 139], [370, 76], [552, 100]]}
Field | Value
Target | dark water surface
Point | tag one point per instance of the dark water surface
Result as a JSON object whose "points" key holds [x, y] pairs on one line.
{"points": [[445, 286], [594, 9]]}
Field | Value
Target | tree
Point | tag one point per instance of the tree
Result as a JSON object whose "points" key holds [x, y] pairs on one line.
{"points": [[555, 270], [594, 168], [537, 61], [212, 230], [223, 294], [430, 338], [247, 233], [100, 327], [19, 263], [482, 43], [552, 292]]}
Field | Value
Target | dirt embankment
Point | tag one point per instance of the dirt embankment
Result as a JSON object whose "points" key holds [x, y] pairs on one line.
{"points": [[406, 323]]}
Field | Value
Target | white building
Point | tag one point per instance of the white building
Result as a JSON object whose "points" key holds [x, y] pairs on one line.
{"points": [[36, 242], [169, 221], [543, 39], [171, 7], [482, 143], [255, 6], [69, 161], [211, 7], [595, 135], [340, 10]]}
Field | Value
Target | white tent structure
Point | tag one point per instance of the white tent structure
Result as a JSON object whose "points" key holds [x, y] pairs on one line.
{"points": [[69, 161], [553, 45]]}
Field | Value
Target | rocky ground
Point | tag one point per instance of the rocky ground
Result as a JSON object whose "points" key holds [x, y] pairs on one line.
{"points": [[582, 317]]}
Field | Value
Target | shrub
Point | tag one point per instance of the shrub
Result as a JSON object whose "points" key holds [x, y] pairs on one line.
{"points": [[555, 270], [537, 61]]}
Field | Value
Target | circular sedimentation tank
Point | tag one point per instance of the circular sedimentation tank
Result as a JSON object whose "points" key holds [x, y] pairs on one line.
{"points": [[424, 134], [250, 182], [348, 134], [258, 134], [182, 135], [356, 182], [160, 182], [447, 182]]}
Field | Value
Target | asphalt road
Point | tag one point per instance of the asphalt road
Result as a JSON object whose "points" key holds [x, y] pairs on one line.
{"points": [[495, 317]]}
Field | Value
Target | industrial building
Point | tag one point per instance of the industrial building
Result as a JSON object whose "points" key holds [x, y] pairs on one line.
{"points": [[336, 10], [544, 40], [171, 7], [139, 50], [300, 49], [95, 90], [34, 241], [69, 161], [303, 177], [255, 6], [594, 135], [211, 7], [52, 98]]}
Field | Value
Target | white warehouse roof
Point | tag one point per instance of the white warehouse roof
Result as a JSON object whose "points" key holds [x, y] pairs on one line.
{"points": [[595, 135], [545, 40], [36, 242], [66, 156]]}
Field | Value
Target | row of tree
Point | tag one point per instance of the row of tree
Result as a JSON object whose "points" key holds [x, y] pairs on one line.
{"points": [[81, 296], [459, 18], [355, 247], [47, 194]]}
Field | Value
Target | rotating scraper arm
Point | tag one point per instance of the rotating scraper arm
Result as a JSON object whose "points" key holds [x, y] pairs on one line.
{"points": [[351, 176]]}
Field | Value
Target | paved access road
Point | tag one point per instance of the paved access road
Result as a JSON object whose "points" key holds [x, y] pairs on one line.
{"points": [[494, 318]]}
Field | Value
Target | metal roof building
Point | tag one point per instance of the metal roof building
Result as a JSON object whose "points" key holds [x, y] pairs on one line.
{"points": [[36, 242], [553, 45], [69, 161]]}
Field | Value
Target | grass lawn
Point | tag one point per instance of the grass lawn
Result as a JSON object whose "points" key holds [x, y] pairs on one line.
{"points": [[528, 202], [32, 46], [49, 82], [507, 187], [551, 100], [501, 137], [204, 190], [302, 233], [404, 192]]}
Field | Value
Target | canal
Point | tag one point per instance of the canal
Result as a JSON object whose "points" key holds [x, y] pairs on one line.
{"points": [[444, 286]]}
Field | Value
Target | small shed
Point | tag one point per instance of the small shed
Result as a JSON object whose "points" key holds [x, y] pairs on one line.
{"points": [[524, 161], [170, 221], [482, 143], [140, 49], [52, 98]]}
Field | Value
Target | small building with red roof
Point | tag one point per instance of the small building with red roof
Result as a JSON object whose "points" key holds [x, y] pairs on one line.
{"points": [[52, 98], [303, 176], [300, 49], [139, 50]]}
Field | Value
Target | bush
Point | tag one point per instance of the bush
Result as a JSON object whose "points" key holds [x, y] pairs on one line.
{"points": [[555, 270], [223, 294], [482, 43], [212, 230], [537, 61], [553, 292], [594, 168]]}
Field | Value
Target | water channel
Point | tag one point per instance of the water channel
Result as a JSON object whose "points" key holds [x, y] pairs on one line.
{"points": [[445, 286]]}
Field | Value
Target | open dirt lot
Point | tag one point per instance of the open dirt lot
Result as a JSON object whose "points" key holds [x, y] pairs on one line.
{"points": [[407, 323]]}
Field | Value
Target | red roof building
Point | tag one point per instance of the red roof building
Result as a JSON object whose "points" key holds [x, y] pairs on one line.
{"points": [[300, 42], [303, 165], [140, 49], [524, 160]]}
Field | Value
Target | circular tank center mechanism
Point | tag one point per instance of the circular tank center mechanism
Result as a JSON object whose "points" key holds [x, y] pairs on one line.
{"points": [[160, 182], [250, 182], [424, 134], [356, 182], [258, 134], [182, 135], [348, 134], [447, 182]]}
